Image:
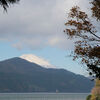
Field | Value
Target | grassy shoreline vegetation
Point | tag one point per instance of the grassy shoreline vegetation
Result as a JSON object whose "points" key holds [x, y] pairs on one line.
{"points": [[95, 93]]}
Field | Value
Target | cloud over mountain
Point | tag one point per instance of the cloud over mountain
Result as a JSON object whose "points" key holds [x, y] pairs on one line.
{"points": [[38, 60]]}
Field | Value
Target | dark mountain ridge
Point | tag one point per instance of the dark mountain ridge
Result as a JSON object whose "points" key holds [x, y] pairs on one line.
{"points": [[19, 75]]}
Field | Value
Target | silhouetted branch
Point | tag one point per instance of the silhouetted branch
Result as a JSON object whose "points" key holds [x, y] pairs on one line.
{"points": [[6, 3]]}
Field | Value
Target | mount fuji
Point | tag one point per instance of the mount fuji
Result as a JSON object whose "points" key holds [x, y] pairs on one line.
{"points": [[30, 73]]}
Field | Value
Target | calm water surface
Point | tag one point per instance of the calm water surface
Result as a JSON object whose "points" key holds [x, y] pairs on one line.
{"points": [[43, 96]]}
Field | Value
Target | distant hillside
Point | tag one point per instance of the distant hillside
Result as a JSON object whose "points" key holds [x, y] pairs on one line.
{"points": [[19, 75]]}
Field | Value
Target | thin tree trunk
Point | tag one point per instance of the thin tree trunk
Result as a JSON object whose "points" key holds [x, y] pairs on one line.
{"points": [[96, 91]]}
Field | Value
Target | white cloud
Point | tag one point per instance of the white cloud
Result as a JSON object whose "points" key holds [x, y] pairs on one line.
{"points": [[38, 60], [35, 24], [54, 41]]}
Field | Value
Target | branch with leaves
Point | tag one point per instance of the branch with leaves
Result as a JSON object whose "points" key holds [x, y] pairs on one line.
{"points": [[87, 47]]}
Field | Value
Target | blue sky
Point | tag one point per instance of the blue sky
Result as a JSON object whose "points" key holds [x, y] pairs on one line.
{"points": [[35, 27]]}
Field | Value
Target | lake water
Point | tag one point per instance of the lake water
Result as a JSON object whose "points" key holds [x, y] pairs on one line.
{"points": [[43, 96]]}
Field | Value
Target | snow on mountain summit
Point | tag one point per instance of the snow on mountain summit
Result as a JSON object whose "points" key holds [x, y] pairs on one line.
{"points": [[38, 60]]}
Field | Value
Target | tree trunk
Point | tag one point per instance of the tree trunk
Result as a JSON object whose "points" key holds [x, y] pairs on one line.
{"points": [[95, 93]]}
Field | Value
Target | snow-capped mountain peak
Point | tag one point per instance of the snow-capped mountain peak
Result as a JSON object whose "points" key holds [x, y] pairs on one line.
{"points": [[38, 60]]}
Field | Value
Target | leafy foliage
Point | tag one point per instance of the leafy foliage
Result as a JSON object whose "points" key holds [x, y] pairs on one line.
{"points": [[88, 97], [87, 46], [96, 9], [5, 3]]}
